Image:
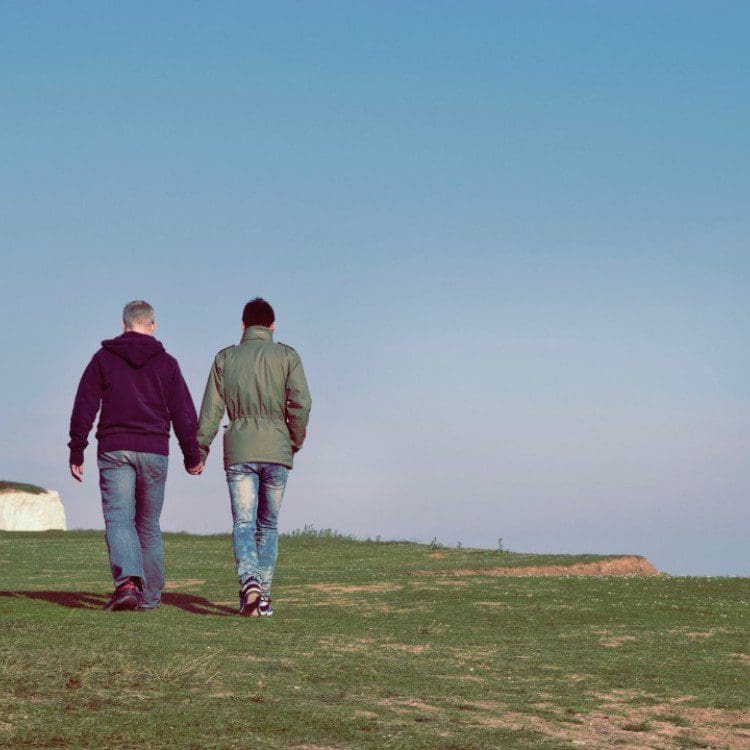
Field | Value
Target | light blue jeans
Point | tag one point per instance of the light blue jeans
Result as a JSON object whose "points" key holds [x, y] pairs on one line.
{"points": [[132, 485], [256, 491]]}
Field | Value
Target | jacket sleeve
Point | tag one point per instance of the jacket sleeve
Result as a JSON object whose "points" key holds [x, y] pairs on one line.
{"points": [[212, 408], [85, 407], [183, 417], [298, 402]]}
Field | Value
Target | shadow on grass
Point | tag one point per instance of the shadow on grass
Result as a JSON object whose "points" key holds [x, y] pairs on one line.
{"points": [[195, 605]]}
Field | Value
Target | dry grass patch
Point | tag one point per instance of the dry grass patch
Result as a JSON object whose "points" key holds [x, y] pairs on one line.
{"points": [[461, 678], [409, 648], [665, 726], [183, 583], [370, 646], [405, 706], [339, 594], [616, 640], [343, 588], [696, 634], [357, 646], [629, 565]]}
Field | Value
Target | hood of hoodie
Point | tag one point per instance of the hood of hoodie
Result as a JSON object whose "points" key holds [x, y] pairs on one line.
{"points": [[135, 348]]}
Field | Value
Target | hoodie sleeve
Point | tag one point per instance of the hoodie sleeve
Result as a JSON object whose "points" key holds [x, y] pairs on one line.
{"points": [[298, 402], [85, 407], [184, 419], [212, 408]]}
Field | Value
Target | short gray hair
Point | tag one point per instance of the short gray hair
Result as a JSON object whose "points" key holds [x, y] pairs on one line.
{"points": [[137, 312]]}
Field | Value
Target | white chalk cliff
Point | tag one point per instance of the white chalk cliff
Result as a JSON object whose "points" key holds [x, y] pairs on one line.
{"points": [[26, 511]]}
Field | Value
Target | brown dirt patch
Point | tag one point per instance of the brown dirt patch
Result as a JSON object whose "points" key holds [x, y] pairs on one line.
{"points": [[742, 658], [183, 583], [629, 565]]}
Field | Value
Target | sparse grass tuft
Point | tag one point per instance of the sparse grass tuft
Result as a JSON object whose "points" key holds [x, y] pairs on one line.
{"points": [[637, 726], [676, 719], [310, 532]]}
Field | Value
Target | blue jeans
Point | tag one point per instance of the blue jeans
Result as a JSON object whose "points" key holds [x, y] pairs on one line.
{"points": [[132, 485], [256, 491]]}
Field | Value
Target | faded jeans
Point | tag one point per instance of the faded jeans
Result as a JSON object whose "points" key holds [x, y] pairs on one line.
{"points": [[256, 491], [132, 485]]}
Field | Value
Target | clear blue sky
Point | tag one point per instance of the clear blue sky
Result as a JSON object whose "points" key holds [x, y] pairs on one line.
{"points": [[509, 240]]}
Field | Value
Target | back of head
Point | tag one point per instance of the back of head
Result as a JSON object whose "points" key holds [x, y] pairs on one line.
{"points": [[258, 312], [137, 313]]}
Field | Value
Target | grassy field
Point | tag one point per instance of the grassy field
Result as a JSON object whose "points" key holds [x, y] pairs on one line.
{"points": [[373, 644]]}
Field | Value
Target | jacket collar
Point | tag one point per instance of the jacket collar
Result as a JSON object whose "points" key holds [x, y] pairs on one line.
{"points": [[257, 332]]}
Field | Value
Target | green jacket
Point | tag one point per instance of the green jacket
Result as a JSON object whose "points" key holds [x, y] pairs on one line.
{"points": [[262, 386]]}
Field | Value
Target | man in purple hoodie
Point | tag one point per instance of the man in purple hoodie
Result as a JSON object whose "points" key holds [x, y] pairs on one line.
{"points": [[141, 391]]}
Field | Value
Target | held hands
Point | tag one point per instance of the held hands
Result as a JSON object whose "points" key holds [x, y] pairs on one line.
{"points": [[77, 471], [197, 470]]}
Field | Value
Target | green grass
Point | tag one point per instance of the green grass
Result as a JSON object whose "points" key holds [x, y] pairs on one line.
{"points": [[6, 486], [373, 644]]}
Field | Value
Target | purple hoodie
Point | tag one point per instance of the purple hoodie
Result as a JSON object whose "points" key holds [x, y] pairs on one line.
{"points": [[141, 390]]}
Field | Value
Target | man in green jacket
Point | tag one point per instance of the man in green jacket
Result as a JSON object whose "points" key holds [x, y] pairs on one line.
{"points": [[262, 386]]}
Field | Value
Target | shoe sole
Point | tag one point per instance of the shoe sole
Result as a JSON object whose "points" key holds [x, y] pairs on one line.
{"points": [[251, 606], [127, 604]]}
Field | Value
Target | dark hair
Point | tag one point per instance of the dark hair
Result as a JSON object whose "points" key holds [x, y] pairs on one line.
{"points": [[258, 312]]}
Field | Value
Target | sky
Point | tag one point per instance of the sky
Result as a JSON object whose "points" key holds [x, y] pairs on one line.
{"points": [[509, 241]]}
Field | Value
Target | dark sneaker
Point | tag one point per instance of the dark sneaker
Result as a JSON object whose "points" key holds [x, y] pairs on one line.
{"points": [[250, 598], [124, 598], [264, 607]]}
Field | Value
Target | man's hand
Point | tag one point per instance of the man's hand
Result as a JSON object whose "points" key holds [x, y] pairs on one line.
{"points": [[197, 469], [77, 472]]}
